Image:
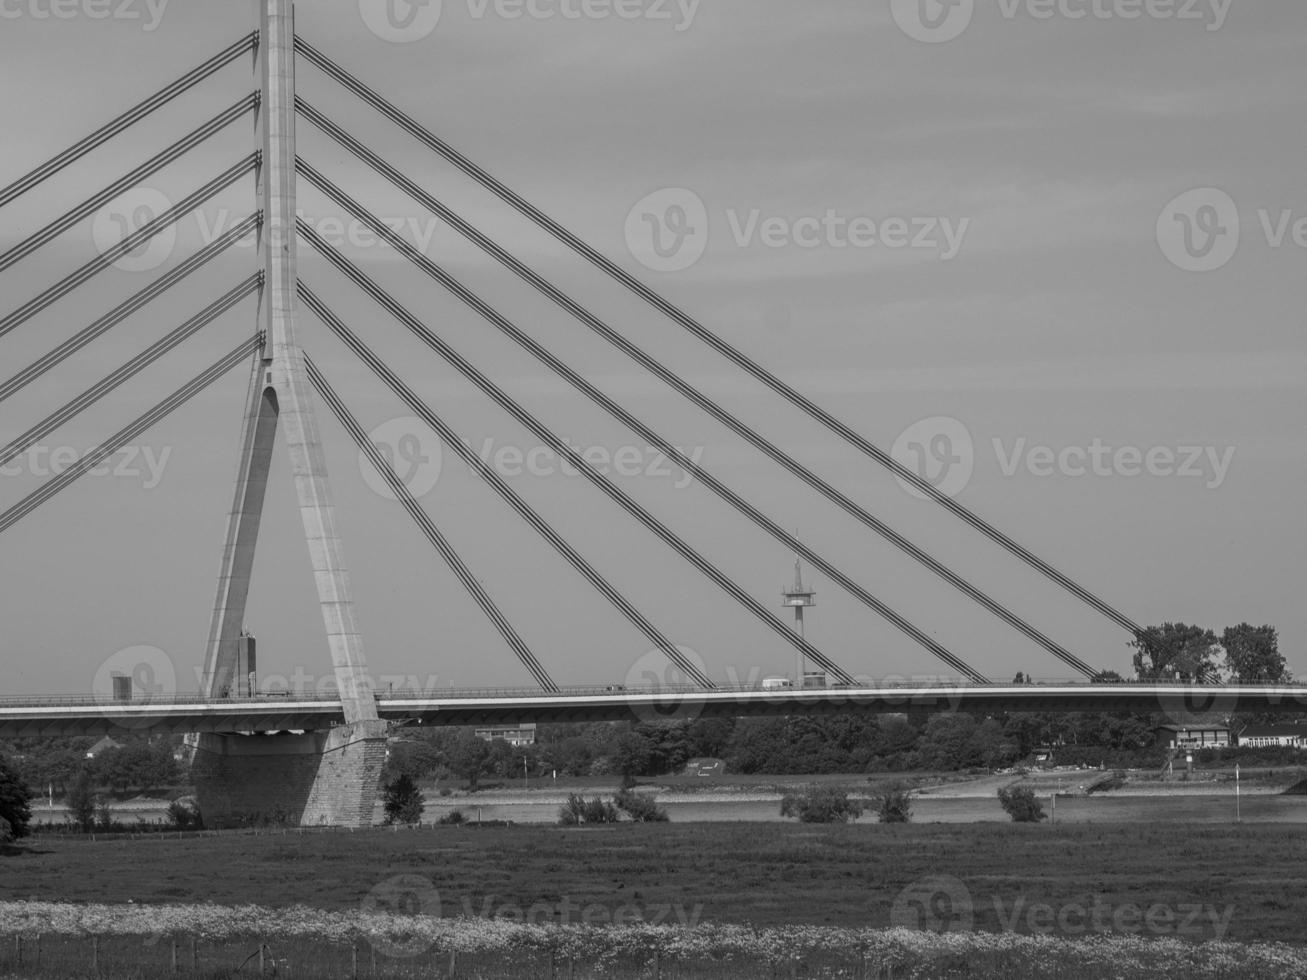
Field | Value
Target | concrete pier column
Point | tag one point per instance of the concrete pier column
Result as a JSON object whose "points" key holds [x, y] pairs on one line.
{"points": [[313, 778]]}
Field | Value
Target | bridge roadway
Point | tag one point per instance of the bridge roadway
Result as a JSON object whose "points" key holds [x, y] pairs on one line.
{"points": [[89, 715]]}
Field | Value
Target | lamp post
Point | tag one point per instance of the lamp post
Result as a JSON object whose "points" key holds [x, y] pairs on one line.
{"points": [[1237, 814]]}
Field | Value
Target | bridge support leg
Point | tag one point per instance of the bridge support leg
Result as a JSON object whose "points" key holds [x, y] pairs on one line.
{"points": [[310, 780], [317, 778]]}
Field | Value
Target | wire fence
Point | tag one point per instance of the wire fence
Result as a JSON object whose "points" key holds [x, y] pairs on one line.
{"points": [[139, 958]]}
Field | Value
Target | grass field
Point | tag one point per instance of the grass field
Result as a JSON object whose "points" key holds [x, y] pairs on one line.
{"points": [[1243, 883]]}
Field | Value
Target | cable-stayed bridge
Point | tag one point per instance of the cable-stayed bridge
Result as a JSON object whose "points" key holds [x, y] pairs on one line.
{"points": [[329, 768]]}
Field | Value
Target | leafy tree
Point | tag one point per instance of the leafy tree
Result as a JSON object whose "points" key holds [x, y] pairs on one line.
{"points": [[1252, 655], [403, 801], [141, 764], [960, 741], [1021, 804], [631, 756], [418, 758], [820, 804], [466, 755], [894, 805], [573, 756], [15, 800], [81, 801], [1163, 652]]}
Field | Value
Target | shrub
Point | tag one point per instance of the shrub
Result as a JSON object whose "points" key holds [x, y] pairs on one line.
{"points": [[894, 805], [642, 808], [820, 804], [185, 815], [1021, 804], [581, 811], [454, 818], [403, 801]]}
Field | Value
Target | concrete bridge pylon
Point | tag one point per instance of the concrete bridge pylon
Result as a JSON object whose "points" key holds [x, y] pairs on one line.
{"points": [[315, 778]]}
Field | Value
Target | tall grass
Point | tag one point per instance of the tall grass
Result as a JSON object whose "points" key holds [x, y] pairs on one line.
{"points": [[47, 940]]}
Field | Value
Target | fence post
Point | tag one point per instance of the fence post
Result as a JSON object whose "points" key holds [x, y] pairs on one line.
{"points": [[453, 963], [18, 949], [261, 964], [176, 968], [95, 955], [195, 955], [354, 957]]}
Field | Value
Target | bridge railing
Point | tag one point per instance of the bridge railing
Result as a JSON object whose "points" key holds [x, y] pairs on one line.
{"points": [[265, 699]]}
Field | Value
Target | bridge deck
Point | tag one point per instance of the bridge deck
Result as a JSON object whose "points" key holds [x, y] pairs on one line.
{"points": [[193, 713]]}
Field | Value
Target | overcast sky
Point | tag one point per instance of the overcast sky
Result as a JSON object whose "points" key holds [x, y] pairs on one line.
{"points": [[1053, 252]]}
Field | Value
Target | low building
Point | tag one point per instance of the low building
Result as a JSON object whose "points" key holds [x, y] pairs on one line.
{"points": [[104, 745], [1194, 736], [514, 735], [1273, 737]]}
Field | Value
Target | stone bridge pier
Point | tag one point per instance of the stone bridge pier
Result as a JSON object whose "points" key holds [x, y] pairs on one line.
{"points": [[314, 779]]}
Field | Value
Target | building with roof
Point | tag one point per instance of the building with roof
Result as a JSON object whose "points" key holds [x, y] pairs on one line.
{"points": [[515, 735], [1273, 737], [1194, 736]]}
